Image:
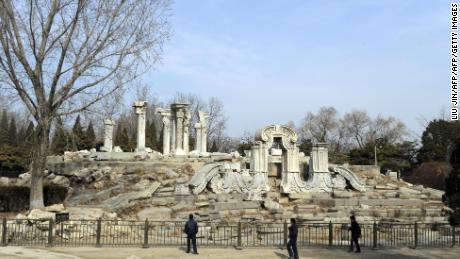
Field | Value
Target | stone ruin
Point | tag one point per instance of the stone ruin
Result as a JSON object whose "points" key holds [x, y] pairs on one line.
{"points": [[272, 182]]}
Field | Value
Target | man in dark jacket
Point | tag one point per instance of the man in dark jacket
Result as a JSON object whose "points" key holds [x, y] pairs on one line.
{"points": [[292, 243], [355, 234], [191, 229]]}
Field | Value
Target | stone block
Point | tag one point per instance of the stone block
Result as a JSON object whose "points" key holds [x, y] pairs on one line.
{"points": [[347, 202], [305, 208], [385, 187], [202, 204], [300, 196], [324, 202], [343, 194], [392, 202], [220, 206], [154, 214]]}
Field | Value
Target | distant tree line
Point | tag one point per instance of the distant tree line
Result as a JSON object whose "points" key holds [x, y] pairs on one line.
{"points": [[16, 142]]}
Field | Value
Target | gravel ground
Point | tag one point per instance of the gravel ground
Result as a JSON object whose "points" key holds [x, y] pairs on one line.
{"points": [[228, 253]]}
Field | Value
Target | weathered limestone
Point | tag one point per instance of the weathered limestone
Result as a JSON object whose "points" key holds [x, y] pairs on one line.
{"points": [[108, 135], [201, 128], [181, 120], [166, 119], [140, 108]]}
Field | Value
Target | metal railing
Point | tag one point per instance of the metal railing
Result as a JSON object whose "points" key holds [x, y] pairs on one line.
{"points": [[117, 233]]}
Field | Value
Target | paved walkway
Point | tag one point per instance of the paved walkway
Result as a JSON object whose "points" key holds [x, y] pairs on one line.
{"points": [[229, 253]]}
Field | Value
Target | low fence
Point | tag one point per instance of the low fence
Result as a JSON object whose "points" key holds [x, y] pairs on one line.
{"points": [[119, 233]]}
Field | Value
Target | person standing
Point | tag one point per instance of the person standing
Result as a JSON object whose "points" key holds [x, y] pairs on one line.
{"points": [[191, 229], [355, 234], [292, 243]]}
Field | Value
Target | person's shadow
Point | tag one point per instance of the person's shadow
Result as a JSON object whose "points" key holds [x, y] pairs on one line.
{"points": [[280, 255]]}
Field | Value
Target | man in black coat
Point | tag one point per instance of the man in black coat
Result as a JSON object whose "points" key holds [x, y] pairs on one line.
{"points": [[191, 229], [355, 234], [292, 243]]}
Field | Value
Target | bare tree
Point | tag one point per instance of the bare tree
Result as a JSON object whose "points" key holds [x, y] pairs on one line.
{"points": [[61, 57], [217, 121], [390, 129], [320, 127], [356, 124]]}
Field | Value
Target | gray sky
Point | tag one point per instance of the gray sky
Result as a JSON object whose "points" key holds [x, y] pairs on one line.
{"points": [[273, 61]]}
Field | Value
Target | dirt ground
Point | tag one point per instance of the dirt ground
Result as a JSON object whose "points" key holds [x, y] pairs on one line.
{"points": [[225, 253]]}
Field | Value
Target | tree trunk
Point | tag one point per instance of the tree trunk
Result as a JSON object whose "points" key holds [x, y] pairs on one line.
{"points": [[39, 165]]}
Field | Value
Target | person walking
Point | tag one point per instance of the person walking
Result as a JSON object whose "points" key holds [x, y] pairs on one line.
{"points": [[292, 243], [355, 234], [191, 229]]}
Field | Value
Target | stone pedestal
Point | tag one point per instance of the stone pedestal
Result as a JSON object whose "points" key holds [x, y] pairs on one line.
{"points": [[140, 107], [108, 135]]}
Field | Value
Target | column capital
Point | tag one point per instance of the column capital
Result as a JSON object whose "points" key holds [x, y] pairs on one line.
{"points": [[140, 107]]}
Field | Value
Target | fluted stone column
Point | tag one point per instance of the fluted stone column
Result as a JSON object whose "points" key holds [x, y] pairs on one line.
{"points": [[166, 119], [186, 131], [203, 117], [198, 138], [108, 135], [180, 121], [140, 107]]}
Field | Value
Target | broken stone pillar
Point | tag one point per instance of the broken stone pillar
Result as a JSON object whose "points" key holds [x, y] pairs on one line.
{"points": [[198, 138], [108, 135], [186, 131], [166, 118], [140, 108], [319, 160], [180, 120], [202, 133], [259, 157]]}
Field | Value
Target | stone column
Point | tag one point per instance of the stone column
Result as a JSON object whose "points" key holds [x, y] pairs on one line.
{"points": [[179, 132], [166, 118], [186, 133], [319, 158], [180, 135], [108, 135], [203, 117], [198, 138], [140, 107]]}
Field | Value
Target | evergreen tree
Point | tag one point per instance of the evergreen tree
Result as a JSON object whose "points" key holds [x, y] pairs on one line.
{"points": [[60, 141], [214, 147], [12, 133], [452, 194], [89, 137], [124, 141], [4, 129], [29, 135], [151, 139], [438, 140], [160, 140], [118, 136], [77, 135]]}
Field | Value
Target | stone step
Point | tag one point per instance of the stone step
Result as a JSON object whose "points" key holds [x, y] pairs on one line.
{"points": [[220, 206]]}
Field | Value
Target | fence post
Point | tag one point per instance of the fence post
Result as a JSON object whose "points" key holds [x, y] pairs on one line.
{"points": [[330, 233], [285, 232], [415, 235], [4, 232], [374, 236], [239, 236], [98, 233], [453, 236], [146, 234], [50, 233]]}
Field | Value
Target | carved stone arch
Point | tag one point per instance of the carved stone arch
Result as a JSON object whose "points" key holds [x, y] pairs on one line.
{"points": [[269, 133]]}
